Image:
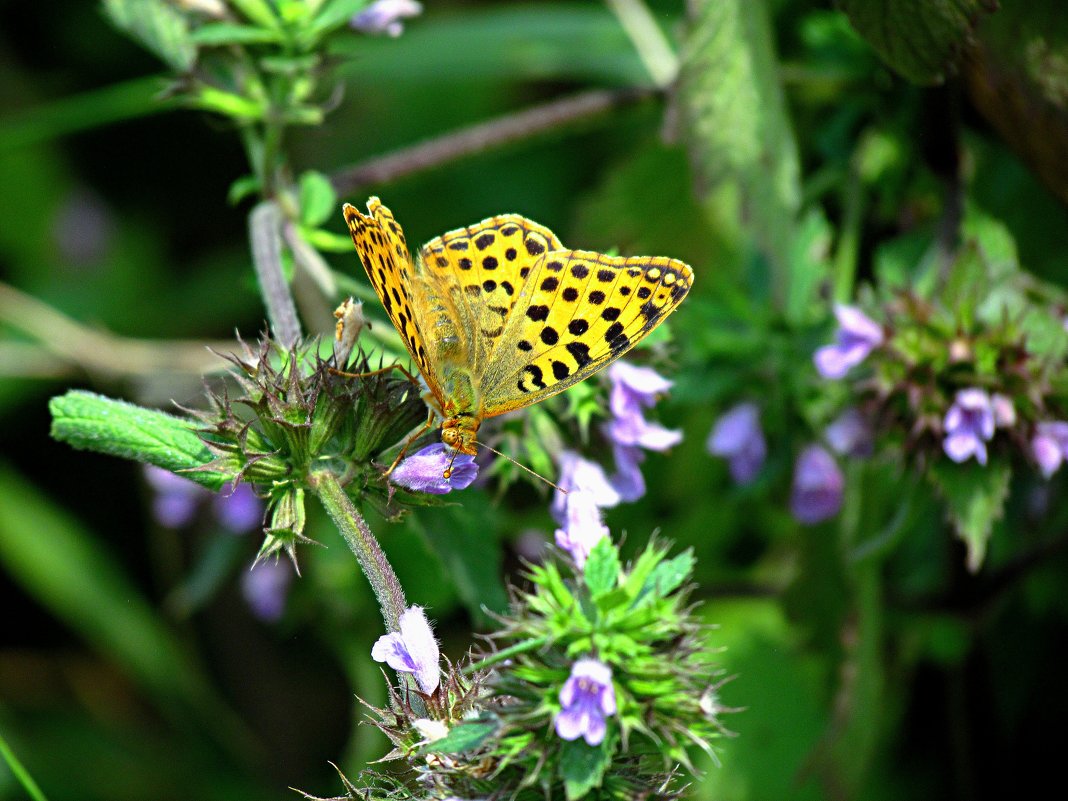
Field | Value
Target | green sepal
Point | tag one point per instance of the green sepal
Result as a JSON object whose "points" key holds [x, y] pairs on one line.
{"points": [[602, 567], [975, 499], [465, 736]]}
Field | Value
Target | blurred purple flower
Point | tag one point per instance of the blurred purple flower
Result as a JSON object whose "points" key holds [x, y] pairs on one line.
{"points": [[239, 512], [424, 471], [857, 336], [1050, 446], [1004, 410], [628, 480], [738, 438], [385, 16], [850, 434], [969, 425], [818, 485], [265, 588], [587, 698], [411, 650], [176, 499], [635, 388], [578, 509]]}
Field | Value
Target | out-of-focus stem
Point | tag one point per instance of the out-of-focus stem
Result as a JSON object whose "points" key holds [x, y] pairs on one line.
{"points": [[265, 234], [653, 47]]}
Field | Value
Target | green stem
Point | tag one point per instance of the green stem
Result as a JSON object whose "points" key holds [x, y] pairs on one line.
{"points": [[375, 566], [504, 653]]}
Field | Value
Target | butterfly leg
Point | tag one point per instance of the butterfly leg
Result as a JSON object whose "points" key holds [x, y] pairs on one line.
{"points": [[426, 427], [381, 370]]}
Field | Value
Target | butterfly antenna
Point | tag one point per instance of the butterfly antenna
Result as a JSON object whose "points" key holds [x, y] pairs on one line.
{"points": [[522, 467]]}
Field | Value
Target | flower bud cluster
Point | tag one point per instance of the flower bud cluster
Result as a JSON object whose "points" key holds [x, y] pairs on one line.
{"points": [[294, 414]]}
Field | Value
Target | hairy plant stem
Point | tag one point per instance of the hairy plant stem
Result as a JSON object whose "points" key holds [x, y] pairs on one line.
{"points": [[265, 234], [504, 653], [375, 566]]}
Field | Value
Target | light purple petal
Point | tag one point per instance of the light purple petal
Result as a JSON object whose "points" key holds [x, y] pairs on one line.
{"points": [[422, 647], [592, 669], [265, 588], [855, 324], [586, 698], [961, 447], [571, 723], [850, 434], [239, 512], [176, 499], [582, 527], [385, 16], [595, 729], [577, 473], [389, 648], [834, 361], [628, 480], [424, 471], [737, 436], [1047, 453], [818, 486], [634, 385], [1004, 411]]}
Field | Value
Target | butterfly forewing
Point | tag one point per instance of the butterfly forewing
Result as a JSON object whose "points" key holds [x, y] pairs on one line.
{"points": [[482, 268], [577, 312], [380, 242]]}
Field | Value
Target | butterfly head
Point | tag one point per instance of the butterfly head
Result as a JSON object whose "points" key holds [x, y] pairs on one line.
{"points": [[459, 433]]}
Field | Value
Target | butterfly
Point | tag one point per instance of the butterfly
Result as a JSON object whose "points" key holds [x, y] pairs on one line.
{"points": [[500, 315]]}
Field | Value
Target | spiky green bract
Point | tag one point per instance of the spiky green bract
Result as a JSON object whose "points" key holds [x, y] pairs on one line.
{"points": [[295, 415]]}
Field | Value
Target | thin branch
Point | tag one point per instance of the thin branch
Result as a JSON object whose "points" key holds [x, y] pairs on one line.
{"points": [[66, 344], [265, 234], [648, 39], [484, 136]]}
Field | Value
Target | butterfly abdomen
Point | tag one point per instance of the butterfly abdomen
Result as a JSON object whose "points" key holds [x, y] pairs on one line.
{"points": [[462, 410]]}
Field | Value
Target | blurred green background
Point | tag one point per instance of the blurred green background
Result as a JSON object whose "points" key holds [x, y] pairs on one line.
{"points": [[131, 666]]}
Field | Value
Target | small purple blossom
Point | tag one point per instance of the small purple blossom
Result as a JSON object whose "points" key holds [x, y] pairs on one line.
{"points": [[857, 336], [411, 650], [1004, 410], [634, 389], [386, 17], [176, 499], [969, 425], [586, 490], [239, 512], [738, 438], [1049, 446], [586, 699], [818, 485], [424, 471], [850, 434], [265, 588]]}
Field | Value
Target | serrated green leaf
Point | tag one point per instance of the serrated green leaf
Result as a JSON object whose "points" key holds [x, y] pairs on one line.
{"points": [[159, 27], [87, 421], [920, 39], [317, 198], [465, 736], [602, 567], [582, 767], [975, 499], [227, 33], [749, 166]]}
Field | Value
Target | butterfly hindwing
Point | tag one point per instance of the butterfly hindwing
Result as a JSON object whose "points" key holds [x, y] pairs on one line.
{"points": [[578, 311], [482, 269]]}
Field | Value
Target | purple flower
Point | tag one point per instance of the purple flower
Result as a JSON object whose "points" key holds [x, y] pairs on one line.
{"points": [[265, 587], [628, 480], [239, 512], [176, 499], [857, 336], [818, 484], [386, 16], [969, 425], [1004, 410], [411, 650], [586, 490], [850, 434], [586, 699], [424, 471], [738, 438], [635, 388], [1050, 446]]}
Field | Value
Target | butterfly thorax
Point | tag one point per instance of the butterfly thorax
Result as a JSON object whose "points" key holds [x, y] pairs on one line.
{"points": [[461, 411]]}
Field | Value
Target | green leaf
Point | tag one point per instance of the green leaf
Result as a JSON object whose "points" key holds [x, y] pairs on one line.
{"points": [[920, 39], [667, 576], [227, 33], [243, 187], [602, 567], [464, 736], [87, 421], [157, 25], [317, 198], [582, 767], [258, 11], [975, 499], [735, 125]]}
